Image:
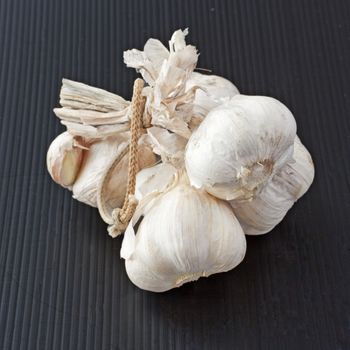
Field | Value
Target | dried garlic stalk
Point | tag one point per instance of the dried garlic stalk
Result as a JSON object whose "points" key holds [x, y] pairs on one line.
{"points": [[90, 112], [167, 71]]}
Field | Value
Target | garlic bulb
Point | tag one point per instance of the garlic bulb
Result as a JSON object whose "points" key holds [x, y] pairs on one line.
{"points": [[97, 160], [263, 213], [64, 158], [185, 234], [212, 91], [240, 145]]}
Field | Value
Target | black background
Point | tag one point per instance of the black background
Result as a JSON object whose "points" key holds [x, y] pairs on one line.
{"points": [[62, 283]]}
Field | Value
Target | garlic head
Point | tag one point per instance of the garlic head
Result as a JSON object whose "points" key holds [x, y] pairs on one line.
{"points": [[185, 234], [98, 160], [240, 145]]}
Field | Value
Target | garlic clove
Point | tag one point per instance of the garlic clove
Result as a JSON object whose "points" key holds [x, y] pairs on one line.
{"points": [[212, 91], [240, 145], [64, 158], [184, 235], [263, 213]]}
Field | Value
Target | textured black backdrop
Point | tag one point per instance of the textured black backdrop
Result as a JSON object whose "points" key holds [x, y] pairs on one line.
{"points": [[62, 283]]}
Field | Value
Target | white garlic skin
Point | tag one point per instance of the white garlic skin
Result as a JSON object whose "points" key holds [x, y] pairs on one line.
{"points": [[64, 159], [154, 179], [97, 159], [213, 91], [263, 213], [187, 234], [240, 145]]}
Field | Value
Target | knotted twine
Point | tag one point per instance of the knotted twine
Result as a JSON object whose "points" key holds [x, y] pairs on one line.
{"points": [[121, 217]]}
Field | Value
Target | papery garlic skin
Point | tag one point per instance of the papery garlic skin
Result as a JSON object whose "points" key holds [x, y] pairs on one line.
{"points": [[64, 158], [212, 91], [154, 179], [240, 145], [97, 160], [169, 146], [186, 234], [167, 71], [263, 213]]}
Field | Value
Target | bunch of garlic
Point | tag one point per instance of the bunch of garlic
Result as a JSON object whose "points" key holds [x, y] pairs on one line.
{"points": [[244, 168], [214, 164]]}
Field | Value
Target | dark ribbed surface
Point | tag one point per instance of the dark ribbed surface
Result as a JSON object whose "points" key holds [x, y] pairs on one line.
{"points": [[62, 284]]}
